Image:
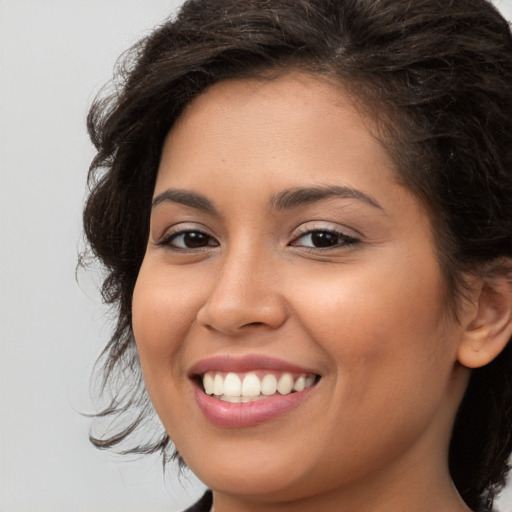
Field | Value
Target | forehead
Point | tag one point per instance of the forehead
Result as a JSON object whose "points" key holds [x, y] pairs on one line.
{"points": [[302, 125]]}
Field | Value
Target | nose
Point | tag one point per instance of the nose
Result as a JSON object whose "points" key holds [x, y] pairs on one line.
{"points": [[244, 294]]}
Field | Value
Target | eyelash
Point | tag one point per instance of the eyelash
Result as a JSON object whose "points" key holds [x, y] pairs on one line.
{"points": [[343, 240], [168, 239]]}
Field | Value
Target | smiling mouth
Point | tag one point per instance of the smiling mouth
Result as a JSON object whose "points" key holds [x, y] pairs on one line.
{"points": [[253, 386]]}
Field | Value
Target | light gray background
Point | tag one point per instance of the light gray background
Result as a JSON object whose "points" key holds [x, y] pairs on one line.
{"points": [[54, 56]]}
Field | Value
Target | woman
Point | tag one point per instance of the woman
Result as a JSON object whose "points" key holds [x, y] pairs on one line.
{"points": [[304, 210]]}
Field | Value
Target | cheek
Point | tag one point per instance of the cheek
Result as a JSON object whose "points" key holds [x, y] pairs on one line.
{"points": [[391, 357], [382, 326], [163, 310], [400, 295]]}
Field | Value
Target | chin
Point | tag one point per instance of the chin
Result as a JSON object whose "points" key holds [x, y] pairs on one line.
{"points": [[241, 469]]}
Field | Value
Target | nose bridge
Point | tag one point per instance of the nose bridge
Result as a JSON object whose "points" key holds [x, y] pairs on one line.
{"points": [[245, 291]]}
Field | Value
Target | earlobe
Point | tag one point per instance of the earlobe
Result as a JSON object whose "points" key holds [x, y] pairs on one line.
{"points": [[490, 329]]}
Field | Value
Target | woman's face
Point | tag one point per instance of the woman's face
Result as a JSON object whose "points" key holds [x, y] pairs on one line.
{"points": [[283, 252]]}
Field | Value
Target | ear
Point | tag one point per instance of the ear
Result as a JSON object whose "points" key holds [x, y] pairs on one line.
{"points": [[489, 328]]}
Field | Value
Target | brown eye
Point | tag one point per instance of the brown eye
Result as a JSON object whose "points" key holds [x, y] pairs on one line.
{"points": [[324, 239], [319, 239], [189, 240]]}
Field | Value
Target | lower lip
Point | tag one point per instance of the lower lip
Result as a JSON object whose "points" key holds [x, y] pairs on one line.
{"points": [[239, 415]]}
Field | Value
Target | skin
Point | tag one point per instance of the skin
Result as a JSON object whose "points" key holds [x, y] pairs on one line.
{"points": [[370, 317]]}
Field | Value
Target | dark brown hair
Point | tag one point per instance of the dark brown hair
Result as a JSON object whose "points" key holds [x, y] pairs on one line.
{"points": [[437, 77]]}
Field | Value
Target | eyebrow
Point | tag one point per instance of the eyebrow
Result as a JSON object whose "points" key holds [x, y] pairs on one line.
{"points": [[301, 196], [286, 199], [186, 198]]}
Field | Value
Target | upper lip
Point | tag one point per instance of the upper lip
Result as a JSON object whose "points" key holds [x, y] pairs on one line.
{"points": [[246, 363]]}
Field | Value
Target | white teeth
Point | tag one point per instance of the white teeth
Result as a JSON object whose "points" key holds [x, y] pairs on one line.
{"points": [[232, 387], [269, 385], [218, 385], [300, 383], [285, 384], [251, 385], [208, 384]]}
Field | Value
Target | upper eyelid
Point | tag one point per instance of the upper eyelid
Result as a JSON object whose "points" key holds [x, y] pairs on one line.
{"points": [[312, 226], [183, 227]]}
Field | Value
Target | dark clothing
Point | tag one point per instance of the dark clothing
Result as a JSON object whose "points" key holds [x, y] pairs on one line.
{"points": [[203, 505]]}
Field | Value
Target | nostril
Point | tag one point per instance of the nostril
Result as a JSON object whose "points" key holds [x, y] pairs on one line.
{"points": [[230, 313]]}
